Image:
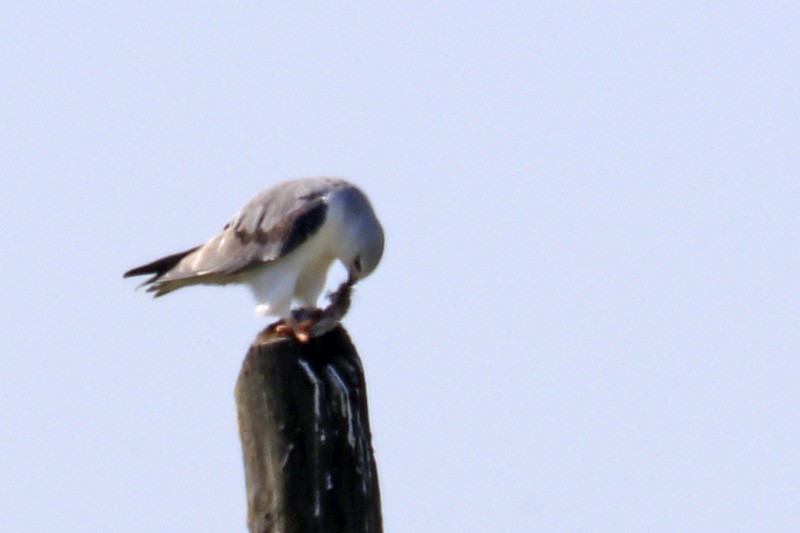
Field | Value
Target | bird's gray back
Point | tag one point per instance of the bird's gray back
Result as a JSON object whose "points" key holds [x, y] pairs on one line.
{"points": [[272, 224]]}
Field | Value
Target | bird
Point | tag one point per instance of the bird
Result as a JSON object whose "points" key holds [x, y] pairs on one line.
{"points": [[281, 245]]}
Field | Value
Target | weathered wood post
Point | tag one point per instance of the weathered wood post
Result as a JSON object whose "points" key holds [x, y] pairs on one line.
{"points": [[304, 427]]}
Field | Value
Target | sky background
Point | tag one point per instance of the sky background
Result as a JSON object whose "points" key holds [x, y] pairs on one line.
{"points": [[586, 318]]}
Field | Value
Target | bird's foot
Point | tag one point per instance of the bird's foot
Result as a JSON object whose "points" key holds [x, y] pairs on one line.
{"points": [[291, 327], [304, 324], [298, 325]]}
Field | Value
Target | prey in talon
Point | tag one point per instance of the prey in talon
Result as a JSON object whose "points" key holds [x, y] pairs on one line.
{"points": [[281, 245], [308, 323], [298, 325], [293, 327]]}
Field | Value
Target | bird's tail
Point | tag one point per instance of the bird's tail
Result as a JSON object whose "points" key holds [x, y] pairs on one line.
{"points": [[157, 268]]}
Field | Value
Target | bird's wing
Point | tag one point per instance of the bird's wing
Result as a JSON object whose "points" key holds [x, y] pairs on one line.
{"points": [[271, 225]]}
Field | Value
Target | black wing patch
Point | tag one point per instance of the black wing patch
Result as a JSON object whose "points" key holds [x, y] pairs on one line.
{"points": [[303, 227]]}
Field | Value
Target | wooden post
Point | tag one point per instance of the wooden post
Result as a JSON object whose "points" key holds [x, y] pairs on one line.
{"points": [[305, 436]]}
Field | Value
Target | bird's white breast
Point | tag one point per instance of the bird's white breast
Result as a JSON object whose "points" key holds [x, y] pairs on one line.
{"points": [[301, 274]]}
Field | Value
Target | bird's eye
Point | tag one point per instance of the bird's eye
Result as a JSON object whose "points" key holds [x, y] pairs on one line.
{"points": [[357, 263]]}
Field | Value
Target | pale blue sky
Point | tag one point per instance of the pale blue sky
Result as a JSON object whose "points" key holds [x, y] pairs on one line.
{"points": [[587, 315]]}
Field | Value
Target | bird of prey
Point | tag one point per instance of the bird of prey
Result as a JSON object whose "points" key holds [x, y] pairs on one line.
{"points": [[281, 245]]}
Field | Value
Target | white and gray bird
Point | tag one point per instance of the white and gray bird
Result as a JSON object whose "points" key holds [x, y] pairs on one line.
{"points": [[281, 245]]}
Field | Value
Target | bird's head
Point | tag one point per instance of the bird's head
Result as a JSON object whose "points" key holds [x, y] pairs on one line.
{"points": [[362, 246], [365, 250]]}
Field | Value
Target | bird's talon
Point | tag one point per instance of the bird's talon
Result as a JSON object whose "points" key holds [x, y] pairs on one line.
{"points": [[281, 328], [299, 330]]}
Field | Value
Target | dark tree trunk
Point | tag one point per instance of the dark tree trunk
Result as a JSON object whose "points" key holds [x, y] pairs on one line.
{"points": [[305, 436]]}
